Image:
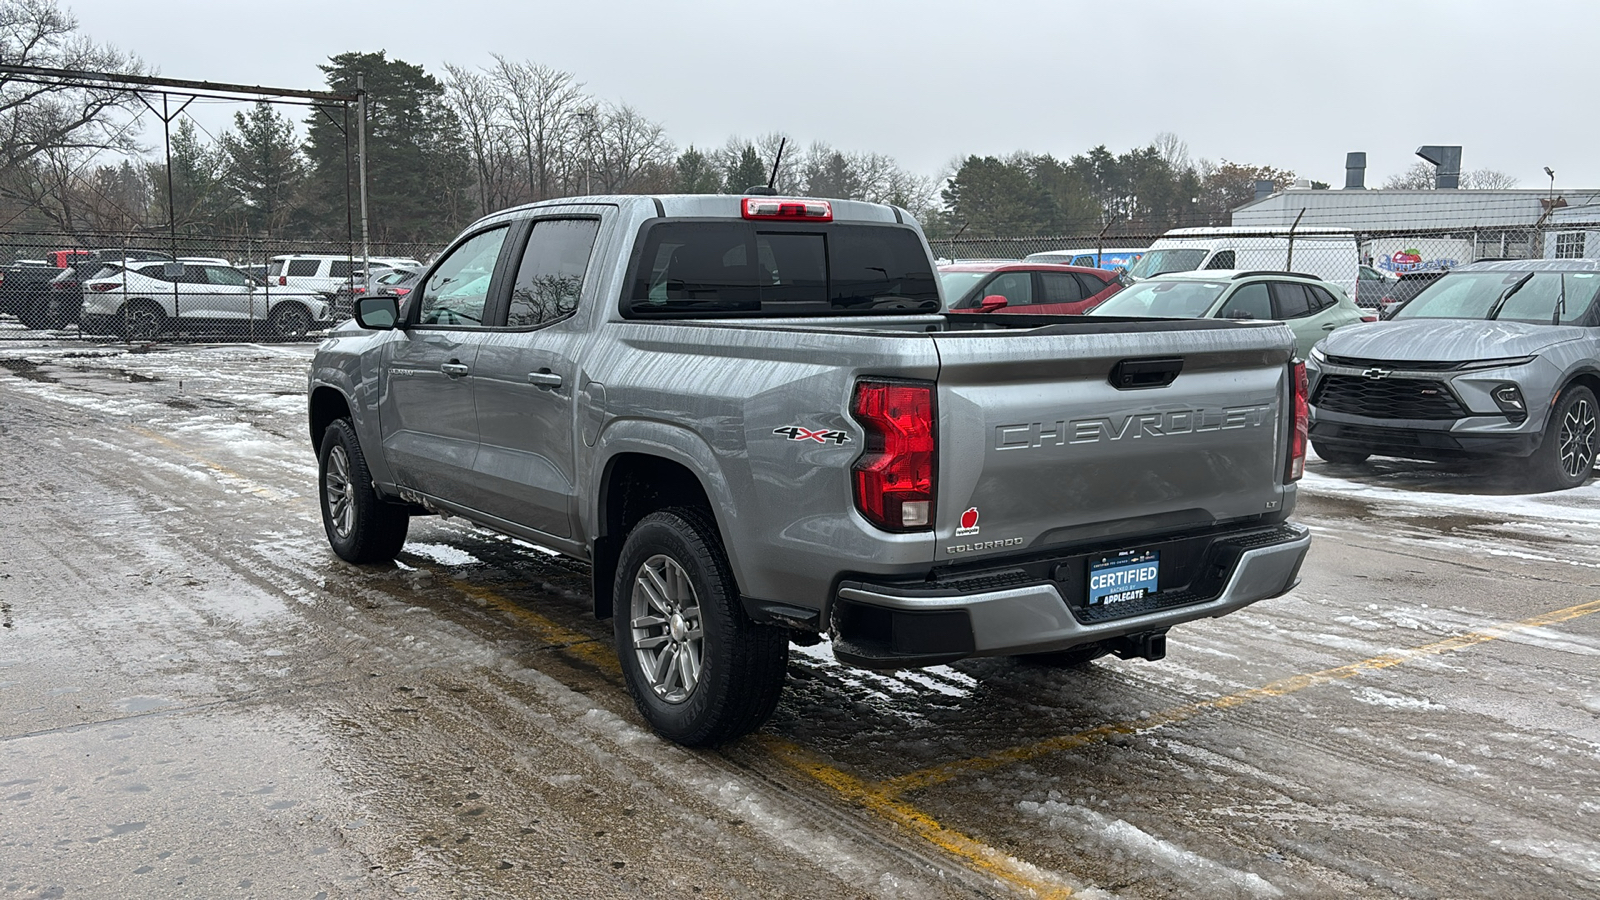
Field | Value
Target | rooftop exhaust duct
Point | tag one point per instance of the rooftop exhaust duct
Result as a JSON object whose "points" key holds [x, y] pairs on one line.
{"points": [[1264, 188], [1447, 160], [1355, 171]]}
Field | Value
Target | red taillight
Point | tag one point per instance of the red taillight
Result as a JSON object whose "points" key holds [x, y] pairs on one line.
{"points": [[775, 208], [283, 279], [894, 477], [401, 292], [1367, 317], [1300, 432], [101, 287], [63, 285]]}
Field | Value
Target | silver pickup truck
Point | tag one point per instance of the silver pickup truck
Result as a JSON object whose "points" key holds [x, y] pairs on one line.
{"points": [[751, 417]]}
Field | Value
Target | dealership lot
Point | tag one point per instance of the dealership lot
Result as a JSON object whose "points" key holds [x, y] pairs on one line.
{"points": [[199, 699]]}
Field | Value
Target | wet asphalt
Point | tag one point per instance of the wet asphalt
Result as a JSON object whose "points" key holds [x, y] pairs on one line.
{"points": [[197, 699]]}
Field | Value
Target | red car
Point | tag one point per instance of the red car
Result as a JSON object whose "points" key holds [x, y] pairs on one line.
{"points": [[1023, 287]]}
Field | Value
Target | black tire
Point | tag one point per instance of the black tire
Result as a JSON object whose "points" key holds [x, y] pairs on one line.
{"points": [[1071, 658], [290, 321], [739, 666], [142, 320], [1566, 454], [361, 526], [1342, 457]]}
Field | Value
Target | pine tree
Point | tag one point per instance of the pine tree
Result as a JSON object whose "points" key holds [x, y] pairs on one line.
{"points": [[263, 169], [695, 174], [747, 172]]}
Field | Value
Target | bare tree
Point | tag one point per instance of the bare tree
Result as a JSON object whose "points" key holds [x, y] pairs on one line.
{"points": [[539, 103], [477, 104], [1421, 176], [628, 149], [1173, 151], [38, 115]]}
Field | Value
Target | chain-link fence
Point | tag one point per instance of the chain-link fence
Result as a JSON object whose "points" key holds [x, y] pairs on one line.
{"points": [[1376, 267], [146, 288]]}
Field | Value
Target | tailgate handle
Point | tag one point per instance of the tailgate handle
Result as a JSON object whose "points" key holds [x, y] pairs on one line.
{"points": [[1133, 374]]}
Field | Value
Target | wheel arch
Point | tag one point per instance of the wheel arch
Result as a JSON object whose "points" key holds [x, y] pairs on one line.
{"points": [[633, 484], [325, 406]]}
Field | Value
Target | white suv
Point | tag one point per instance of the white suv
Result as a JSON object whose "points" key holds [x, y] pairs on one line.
{"points": [[327, 273], [143, 300]]}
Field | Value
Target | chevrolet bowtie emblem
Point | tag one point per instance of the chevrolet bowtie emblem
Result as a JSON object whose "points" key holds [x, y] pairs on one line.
{"points": [[1376, 374]]}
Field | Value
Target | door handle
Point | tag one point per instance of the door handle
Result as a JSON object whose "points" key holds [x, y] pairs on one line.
{"points": [[545, 379], [1329, 327], [453, 369]]}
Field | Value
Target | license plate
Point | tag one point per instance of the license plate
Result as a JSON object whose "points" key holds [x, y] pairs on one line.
{"points": [[1126, 576]]}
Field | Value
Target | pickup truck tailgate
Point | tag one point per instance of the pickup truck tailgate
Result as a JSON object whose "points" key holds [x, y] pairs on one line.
{"points": [[1084, 433]]}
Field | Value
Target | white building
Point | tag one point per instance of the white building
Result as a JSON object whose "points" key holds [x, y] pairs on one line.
{"points": [[1492, 223]]}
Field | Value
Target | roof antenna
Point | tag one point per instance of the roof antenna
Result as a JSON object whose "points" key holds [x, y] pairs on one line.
{"points": [[769, 190]]}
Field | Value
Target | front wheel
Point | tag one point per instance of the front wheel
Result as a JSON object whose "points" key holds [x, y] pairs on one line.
{"points": [[1342, 457], [361, 527], [1565, 458], [700, 672]]}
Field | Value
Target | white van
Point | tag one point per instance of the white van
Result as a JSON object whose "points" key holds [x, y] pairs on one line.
{"points": [[1328, 253]]}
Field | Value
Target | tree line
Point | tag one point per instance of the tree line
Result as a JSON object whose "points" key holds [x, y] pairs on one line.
{"points": [[443, 151]]}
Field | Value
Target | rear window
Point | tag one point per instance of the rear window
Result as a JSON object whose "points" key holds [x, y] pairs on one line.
{"points": [[740, 268], [303, 268]]}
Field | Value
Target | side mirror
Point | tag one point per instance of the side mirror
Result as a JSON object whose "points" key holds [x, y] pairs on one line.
{"points": [[992, 303], [378, 313]]}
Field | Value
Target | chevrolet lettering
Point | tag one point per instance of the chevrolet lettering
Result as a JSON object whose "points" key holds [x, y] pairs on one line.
{"points": [[753, 420], [1146, 425]]}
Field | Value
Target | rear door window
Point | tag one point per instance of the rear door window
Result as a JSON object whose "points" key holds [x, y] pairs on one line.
{"points": [[550, 276], [1291, 300], [341, 268], [741, 268], [1223, 260], [1059, 287]]}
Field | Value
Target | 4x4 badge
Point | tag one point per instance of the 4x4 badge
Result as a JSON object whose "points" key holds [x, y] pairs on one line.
{"points": [[820, 435]]}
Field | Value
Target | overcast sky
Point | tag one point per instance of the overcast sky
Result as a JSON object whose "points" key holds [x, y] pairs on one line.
{"points": [[1285, 83]]}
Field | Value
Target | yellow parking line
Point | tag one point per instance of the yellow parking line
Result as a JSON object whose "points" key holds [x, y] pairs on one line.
{"points": [[969, 851], [933, 775], [250, 487]]}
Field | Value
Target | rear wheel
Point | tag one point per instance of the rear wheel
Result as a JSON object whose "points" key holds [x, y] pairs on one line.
{"points": [[700, 672], [1342, 457], [290, 321], [1565, 458], [361, 527], [143, 320]]}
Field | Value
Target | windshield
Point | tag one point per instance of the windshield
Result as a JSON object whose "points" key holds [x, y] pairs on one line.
{"points": [[1473, 295], [1160, 262], [1163, 299], [956, 284]]}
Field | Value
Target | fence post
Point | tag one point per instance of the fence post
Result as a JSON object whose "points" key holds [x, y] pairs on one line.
{"points": [[1288, 264]]}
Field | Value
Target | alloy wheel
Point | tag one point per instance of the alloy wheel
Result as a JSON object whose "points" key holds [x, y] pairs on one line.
{"points": [[1578, 439], [340, 492], [668, 635]]}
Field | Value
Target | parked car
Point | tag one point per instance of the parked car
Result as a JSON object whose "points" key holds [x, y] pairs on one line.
{"points": [[1112, 258], [1406, 285], [1310, 306], [23, 287], [750, 417], [1493, 360], [1021, 287], [142, 301], [1372, 285], [396, 282], [1327, 253], [62, 303]]}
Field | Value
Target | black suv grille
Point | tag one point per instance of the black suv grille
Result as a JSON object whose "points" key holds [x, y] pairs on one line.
{"points": [[1387, 398]]}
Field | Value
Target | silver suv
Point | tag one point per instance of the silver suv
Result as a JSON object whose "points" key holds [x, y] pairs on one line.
{"points": [[1493, 360]]}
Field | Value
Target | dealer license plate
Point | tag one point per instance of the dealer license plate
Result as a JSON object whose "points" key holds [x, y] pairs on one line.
{"points": [[1130, 575]]}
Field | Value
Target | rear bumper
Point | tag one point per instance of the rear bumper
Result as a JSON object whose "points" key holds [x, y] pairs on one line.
{"points": [[895, 626]]}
